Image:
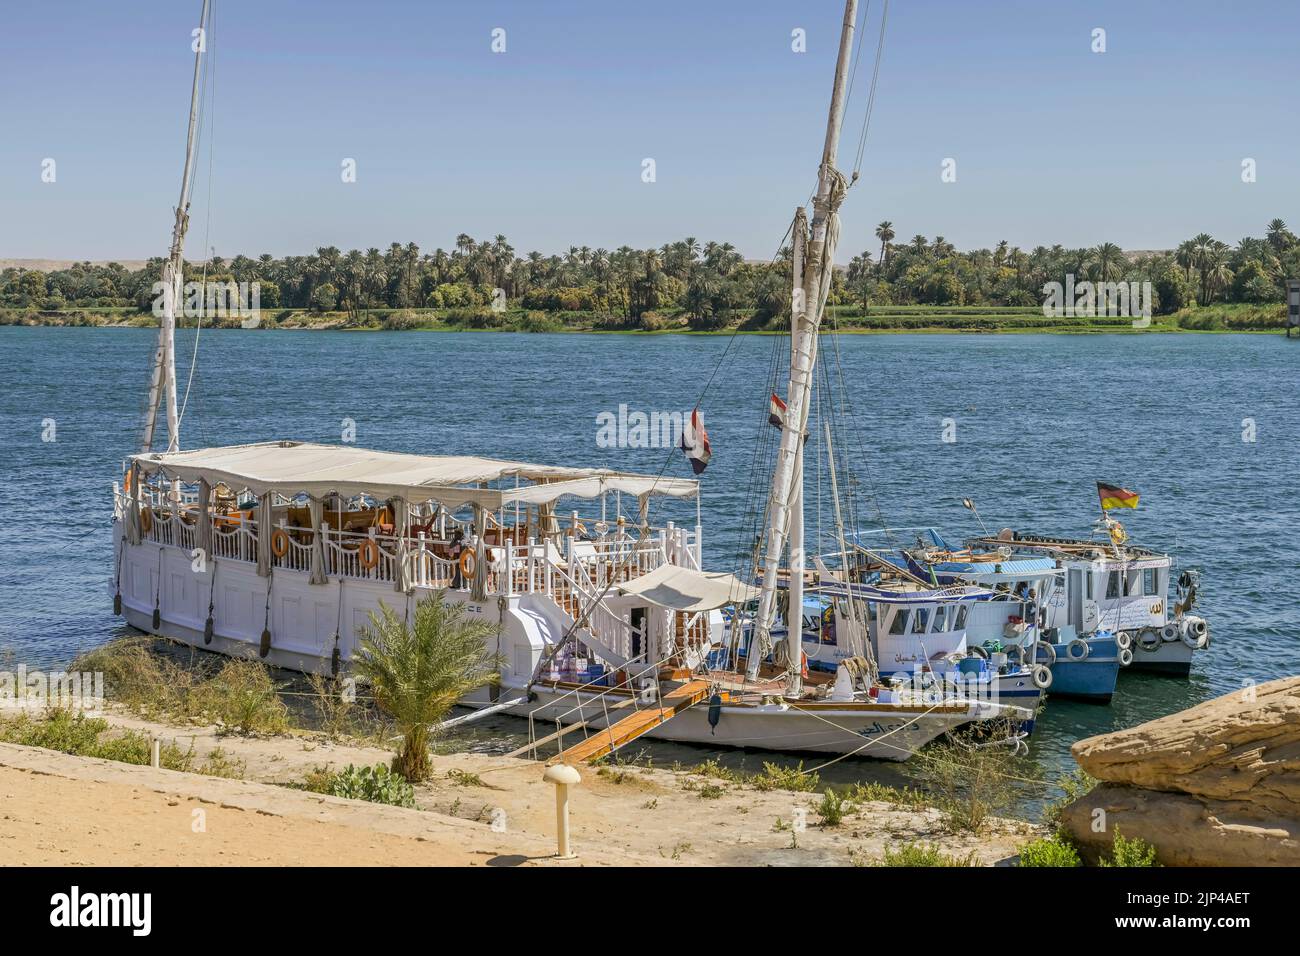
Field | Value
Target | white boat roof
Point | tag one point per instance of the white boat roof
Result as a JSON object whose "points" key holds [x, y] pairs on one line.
{"points": [[292, 467], [685, 589]]}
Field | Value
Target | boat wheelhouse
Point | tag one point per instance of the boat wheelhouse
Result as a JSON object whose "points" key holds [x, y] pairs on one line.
{"points": [[1119, 588]]}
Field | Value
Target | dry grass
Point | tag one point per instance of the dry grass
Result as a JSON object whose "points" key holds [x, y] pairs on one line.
{"points": [[241, 696]]}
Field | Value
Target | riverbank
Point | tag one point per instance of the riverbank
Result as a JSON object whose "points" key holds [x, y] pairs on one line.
{"points": [[847, 319], [476, 810]]}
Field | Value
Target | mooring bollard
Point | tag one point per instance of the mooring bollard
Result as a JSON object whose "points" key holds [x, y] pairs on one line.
{"points": [[564, 777], [155, 753]]}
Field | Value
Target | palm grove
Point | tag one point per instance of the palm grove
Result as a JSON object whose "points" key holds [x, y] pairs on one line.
{"points": [[708, 285]]}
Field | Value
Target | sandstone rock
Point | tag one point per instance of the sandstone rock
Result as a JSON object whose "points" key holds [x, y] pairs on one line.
{"points": [[1218, 783], [1185, 830]]}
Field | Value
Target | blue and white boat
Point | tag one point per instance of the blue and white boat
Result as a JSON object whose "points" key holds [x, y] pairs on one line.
{"points": [[919, 638], [1114, 586], [1022, 618]]}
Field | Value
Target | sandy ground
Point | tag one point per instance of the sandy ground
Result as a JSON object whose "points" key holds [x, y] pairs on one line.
{"points": [[478, 810]]}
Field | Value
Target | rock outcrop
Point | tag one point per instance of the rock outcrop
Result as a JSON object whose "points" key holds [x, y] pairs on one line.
{"points": [[1218, 784]]}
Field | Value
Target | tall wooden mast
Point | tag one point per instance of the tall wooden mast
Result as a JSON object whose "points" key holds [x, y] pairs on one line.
{"points": [[162, 383], [785, 503]]}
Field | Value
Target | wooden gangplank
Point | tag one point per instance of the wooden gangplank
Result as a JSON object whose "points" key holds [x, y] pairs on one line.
{"points": [[634, 725]]}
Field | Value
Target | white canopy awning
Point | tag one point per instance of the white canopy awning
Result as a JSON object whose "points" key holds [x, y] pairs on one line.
{"points": [[292, 468], [684, 589]]}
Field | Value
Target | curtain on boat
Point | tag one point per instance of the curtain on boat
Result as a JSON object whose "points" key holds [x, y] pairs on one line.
{"points": [[316, 508], [401, 563], [478, 587], [133, 509], [264, 534], [203, 532]]}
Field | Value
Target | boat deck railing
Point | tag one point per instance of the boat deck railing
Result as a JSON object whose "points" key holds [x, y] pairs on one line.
{"points": [[561, 563]]}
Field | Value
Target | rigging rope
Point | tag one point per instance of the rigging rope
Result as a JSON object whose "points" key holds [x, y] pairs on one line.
{"points": [[205, 114]]}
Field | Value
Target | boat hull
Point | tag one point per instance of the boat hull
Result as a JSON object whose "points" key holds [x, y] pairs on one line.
{"points": [[878, 731], [1173, 658], [1091, 679]]}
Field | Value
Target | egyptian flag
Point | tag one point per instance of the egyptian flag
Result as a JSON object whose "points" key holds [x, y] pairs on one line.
{"points": [[776, 411], [1113, 496], [695, 443]]}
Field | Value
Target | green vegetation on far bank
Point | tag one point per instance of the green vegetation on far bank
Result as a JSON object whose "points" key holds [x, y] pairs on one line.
{"points": [[909, 285], [1222, 317]]}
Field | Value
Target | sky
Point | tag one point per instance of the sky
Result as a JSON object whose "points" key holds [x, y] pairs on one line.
{"points": [[1142, 144]]}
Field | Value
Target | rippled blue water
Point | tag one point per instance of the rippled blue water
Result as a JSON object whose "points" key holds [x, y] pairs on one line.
{"points": [[1038, 419]]}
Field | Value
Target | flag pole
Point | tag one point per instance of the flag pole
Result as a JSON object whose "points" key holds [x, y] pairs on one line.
{"points": [[970, 504]]}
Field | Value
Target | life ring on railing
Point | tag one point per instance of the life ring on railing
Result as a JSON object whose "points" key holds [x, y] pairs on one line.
{"points": [[280, 542], [368, 554], [146, 519], [468, 563]]}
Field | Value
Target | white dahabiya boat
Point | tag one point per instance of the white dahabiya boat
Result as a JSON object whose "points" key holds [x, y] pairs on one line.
{"points": [[283, 550]]}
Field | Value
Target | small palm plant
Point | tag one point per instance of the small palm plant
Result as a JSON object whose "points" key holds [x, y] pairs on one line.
{"points": [[418, 672]]}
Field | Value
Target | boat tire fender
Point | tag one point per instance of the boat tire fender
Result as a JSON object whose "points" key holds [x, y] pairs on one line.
{"points": [[1042, 676], [1077, 649]]}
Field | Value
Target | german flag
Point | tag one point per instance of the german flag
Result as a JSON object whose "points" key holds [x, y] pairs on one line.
{"points": [[1113, 496]]}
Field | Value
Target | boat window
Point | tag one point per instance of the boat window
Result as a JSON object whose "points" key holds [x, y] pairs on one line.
{"points": [[899, 625], [1149, 579], [961, 618], [940, 620], [1087, 576], [1112, 584], [919, 622], [810, 623]]}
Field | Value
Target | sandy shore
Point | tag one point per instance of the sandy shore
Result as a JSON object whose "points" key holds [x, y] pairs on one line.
{"points": [[478, 810]]}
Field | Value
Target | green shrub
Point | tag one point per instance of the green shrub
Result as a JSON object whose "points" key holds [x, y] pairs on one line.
{"points": [[1135, 852], [401, 320], [1049, 851], [923, 854], [377, 784], [82, 736], [775, 777], [832, 808]]}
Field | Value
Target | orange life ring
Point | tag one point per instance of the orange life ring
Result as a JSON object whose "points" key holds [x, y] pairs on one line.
{"points": [[368, 553], [467, 563], [279, 542], [146, 519]]}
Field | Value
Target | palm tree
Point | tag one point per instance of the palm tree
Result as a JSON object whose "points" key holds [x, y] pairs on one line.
{"points": [[1279, 236], [885, 233], [417, 673], [1105, 258]]}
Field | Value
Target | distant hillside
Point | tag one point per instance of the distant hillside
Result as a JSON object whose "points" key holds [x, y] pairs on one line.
{"points": [[54, 265]]}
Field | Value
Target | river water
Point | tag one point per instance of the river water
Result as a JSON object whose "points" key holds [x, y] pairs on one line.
{"points": [[1204, 426]]}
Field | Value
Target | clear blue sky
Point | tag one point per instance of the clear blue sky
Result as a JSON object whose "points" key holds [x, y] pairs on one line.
{"points": [[1141, 145]]}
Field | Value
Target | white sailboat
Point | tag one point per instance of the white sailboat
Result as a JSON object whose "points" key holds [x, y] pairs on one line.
{"points": [[607, 625]]}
